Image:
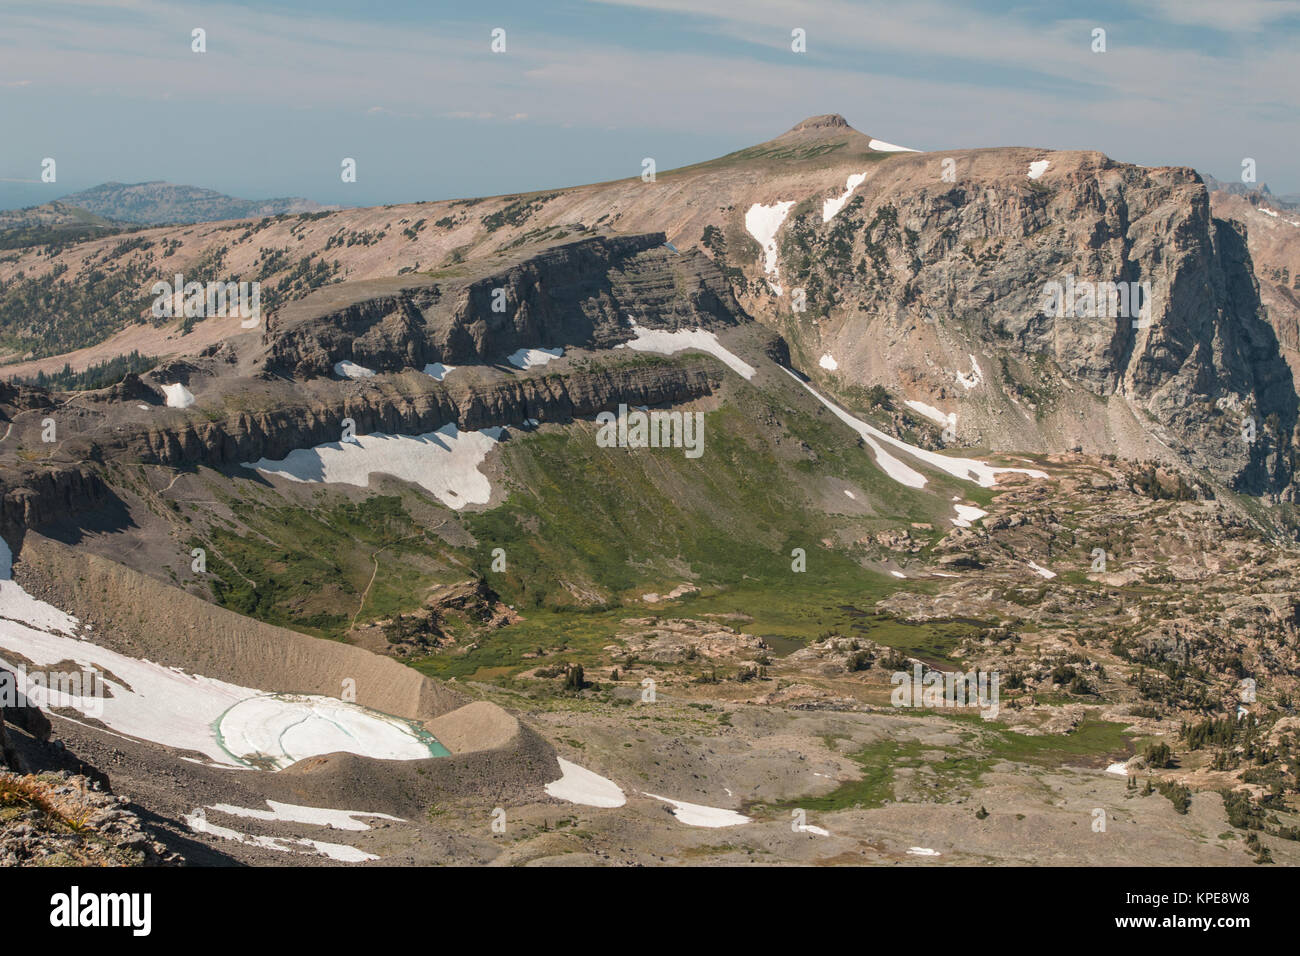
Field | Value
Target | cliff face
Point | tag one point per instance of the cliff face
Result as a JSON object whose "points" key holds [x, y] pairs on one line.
{"points": [[942, 287], [33, 497], [412, 407], [263, 399], [1272, 228], [576, 294]]}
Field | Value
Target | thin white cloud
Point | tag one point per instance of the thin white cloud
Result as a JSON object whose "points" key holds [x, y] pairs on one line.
{"points": [[1238, 16], [1139, 99]]}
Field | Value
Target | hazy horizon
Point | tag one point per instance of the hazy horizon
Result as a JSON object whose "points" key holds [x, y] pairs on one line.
{"points": [[584, 90]]}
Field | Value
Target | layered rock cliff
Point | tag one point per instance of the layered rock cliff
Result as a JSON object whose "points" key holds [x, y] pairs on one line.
{"points": [[579, 293], [943, 289]]}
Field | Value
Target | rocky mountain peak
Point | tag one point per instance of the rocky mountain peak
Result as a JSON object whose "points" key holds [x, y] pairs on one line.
{"points": [[825, 121]]}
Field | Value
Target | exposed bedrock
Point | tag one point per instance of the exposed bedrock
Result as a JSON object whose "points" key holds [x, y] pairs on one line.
{"points": [[576, 294], [915, 268], [408, 407], [41, 495]]}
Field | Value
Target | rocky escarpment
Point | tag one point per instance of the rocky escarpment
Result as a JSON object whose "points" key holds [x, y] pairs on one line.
{"points": [[34, 496], [940, 287], [413, 405], [1273, 235], [576, 294]]}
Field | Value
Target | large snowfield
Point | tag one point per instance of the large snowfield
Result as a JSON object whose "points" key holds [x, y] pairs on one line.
{"points": [[228, 724], [443, 462], [670, 343]]}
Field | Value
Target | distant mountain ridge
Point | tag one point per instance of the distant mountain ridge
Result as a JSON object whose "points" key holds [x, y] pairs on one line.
{"points": [[54, 222], [1260, 192], [159, 202]]}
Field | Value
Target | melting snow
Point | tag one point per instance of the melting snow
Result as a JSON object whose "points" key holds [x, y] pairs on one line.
{"points": [[346, 369], [921, 851], [762, 222], [318, 816], [444, 462], [283, 729], [966, 514], [1120, 768], [580, 785], [670, 343], [191, 712], [198, 823], [1041, 571], [831, 206], [437, 371], [930, 412], [1038, 167], [898, 574], [532, 358], [850, 494], [1275, 215], [178, 396], [967, 469], [695, 815], [809, 828], [828, 363], [975, 377], [881, 146]]}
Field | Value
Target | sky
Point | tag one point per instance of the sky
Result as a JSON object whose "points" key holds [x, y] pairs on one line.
{"points": [[585, 89]]}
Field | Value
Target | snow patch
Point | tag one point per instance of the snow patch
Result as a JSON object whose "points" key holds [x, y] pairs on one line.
{"points": [[178, 396], [340, 852], [880, 146], [437, 371], [443, 462], [670, 343], [1041, 571], [921, 851], [533, 358], [967, 514], [967, 469], [898, 574], [317, 816], [930, 412], [762, 222], [695, 815], [831, 206], [19, 606], [580, 785], [828, 362], [1120, 768], [1038, 167], [1275, 215], [976, 376], [346, 369]]}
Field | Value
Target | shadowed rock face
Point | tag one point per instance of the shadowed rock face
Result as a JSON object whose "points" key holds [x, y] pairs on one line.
{"points": [[970, 260], [33, 497], [418, 407], [576, 294]]}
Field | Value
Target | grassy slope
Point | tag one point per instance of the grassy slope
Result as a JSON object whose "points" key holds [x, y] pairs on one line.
{"points": [[588, 530]]}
